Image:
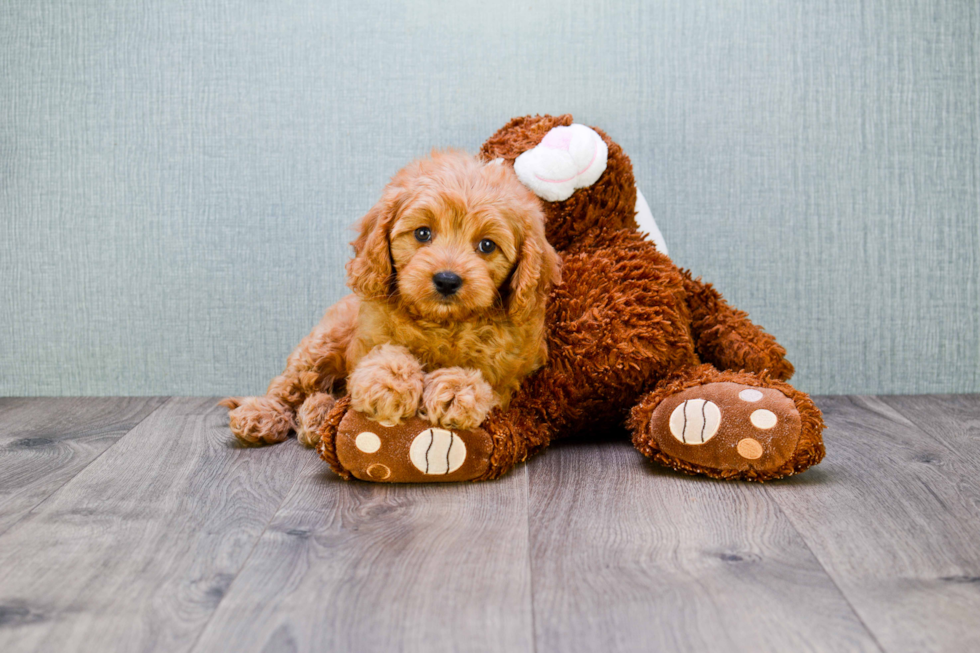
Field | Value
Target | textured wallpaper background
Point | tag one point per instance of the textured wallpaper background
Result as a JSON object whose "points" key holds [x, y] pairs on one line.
{"points": [[177, 178]]}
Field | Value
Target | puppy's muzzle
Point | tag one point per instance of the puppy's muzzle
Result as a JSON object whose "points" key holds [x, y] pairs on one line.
{"points": [[447, 283]]}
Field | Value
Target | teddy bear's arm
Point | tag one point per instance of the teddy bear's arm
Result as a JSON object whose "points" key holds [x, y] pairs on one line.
{"points": [[725, 337]]}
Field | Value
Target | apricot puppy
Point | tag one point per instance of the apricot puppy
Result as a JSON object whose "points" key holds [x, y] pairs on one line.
{"points": [[450, 275]]}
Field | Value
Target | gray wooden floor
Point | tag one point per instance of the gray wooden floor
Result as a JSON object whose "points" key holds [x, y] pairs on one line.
{"points": [[137, 525]]}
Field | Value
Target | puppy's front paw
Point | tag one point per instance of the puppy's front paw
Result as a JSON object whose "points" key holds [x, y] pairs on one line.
{"points": [[386, 386], [458, 398]]}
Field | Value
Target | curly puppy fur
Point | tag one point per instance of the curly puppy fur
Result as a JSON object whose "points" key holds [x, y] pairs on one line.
{"points": [[457, 397], [311, 417], [387, 384], [260, 420], [435, 216]]}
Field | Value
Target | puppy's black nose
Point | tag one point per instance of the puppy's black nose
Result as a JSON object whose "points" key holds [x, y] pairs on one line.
{"points": [[447, 283]]}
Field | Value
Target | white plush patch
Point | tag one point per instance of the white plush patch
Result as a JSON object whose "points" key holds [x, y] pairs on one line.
{"points": [[367, 442], [763, 419], [437, 451], [568, 158], [750, 395], [695, 421], [646, 223]]}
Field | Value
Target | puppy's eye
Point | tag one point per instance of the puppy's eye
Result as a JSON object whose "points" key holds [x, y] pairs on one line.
{"points": [[486, 246], [423, 234]]}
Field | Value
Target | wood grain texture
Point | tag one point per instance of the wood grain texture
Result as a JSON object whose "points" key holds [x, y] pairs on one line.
{"points": [[629, 557], [353, 566], [893, 514], [175, 539], [135, 552], [44, 442]]}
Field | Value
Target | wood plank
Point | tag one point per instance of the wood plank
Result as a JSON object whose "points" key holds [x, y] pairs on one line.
{"points": [[353, 566], [953, 420], [44, 442], [136, 551], [628, 556], [893, 514]]}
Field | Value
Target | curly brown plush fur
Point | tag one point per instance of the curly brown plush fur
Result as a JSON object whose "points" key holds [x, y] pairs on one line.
{"points": [[726, 337]]}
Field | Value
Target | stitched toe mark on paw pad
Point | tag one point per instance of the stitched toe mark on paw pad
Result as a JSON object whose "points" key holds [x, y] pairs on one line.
{"points": [[437, 451], [695, 421]]}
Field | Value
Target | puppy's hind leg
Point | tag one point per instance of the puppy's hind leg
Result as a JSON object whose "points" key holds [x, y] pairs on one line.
{"points": [[316, 367], [259, 420], [310, 417]]}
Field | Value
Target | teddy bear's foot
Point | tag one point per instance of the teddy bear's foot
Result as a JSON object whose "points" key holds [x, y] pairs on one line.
{"points": [[411, 452], [729, 425], [418, 452]]}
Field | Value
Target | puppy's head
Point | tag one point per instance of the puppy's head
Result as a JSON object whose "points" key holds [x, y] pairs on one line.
{"points": [[451, 238]]}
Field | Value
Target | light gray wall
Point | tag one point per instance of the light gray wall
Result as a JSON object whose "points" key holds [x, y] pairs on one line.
{"points": [[177, 177]]}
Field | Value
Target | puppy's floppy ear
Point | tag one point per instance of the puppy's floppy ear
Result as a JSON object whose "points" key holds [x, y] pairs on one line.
{"points": [[370, 272], [538, 268]]}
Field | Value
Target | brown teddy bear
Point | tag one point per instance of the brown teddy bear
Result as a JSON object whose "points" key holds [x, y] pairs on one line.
{"points": [[632, 340]]}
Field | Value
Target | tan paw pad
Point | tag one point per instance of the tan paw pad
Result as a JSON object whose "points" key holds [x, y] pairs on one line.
{"points": [[749, 448], [727, 425]]}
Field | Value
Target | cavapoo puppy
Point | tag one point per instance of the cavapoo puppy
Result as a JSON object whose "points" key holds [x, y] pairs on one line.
{"points": [[450, 275]]}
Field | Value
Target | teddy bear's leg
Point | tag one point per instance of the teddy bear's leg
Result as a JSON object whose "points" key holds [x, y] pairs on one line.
{"points": [[733, 425], [415, 451], [726, 338]]}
